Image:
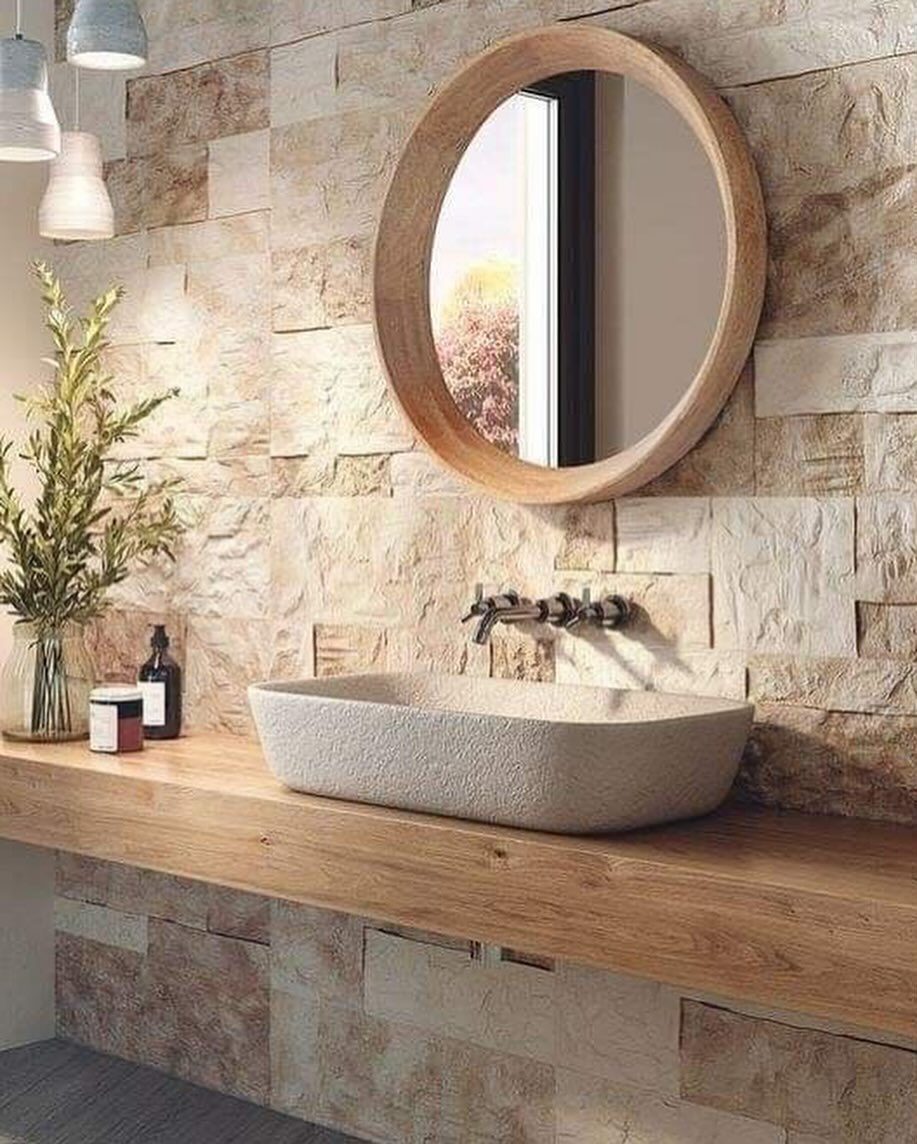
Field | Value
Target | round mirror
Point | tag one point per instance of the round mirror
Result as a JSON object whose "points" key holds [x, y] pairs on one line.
{"points": [[570, 266]]}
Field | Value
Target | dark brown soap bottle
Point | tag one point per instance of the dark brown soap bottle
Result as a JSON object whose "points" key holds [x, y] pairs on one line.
{"points": [[160, 684]]}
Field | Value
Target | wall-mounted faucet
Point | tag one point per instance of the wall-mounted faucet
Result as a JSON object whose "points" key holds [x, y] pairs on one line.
{"points": [[559, 610]]}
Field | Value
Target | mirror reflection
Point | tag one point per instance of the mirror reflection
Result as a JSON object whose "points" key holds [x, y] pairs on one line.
{"points": [[578, 269]]}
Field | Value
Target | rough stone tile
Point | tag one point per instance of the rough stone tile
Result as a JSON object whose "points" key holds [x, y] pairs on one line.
{"points": [[324, 475], [658, 534], [507, 1006], [518, 655], [783, 576], [758, 40], [841, 1088], [154, 308], [810, 456], [887, 549], [880, 686], [324, 285], [821, 762], [419, 474], [215, 238], [182, 35], [234, 913], [722, 463], [130, 890], [317, 953], [100, 262], [239, 173], [385, 1081], [100, 993], [226, 97], [890, 446], [342, 649], [425, 649], [593, 1111], [843, 261], [223, 658], [119, 642], [589, 538], [887, 631], [124, 179], [328, 393], [100, 924], [329, 176], [619, 1028], [848, 373], [206, 1010], [295, 19], [173, 186], [216, 476]]}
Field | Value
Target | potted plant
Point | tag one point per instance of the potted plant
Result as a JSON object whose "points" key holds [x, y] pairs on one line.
{"points": [[91, 520]]}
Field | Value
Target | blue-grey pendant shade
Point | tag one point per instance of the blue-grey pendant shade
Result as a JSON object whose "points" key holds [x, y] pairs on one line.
{"points": [[29, 131], [107, 34]]}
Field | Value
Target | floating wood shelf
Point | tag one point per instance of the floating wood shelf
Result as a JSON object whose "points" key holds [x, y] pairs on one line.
{"points": [[812, 914]]}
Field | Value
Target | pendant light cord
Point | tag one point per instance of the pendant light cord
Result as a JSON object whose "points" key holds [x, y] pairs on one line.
{"points": [[18, 19], [76, 116]]}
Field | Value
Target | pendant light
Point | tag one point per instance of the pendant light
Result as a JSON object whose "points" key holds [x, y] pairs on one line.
{"points": [[107, 35], [76, 204], [29, 131]]}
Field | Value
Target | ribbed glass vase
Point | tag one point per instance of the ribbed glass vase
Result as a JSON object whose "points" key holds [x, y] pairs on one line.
{"points": [[45, 685]]}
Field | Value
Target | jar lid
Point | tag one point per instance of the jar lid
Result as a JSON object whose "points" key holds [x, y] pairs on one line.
{"points": [[123, 694]]}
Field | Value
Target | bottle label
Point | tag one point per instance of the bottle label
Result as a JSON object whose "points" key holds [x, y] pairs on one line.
{"points": [[103, 727], [154, 704]]}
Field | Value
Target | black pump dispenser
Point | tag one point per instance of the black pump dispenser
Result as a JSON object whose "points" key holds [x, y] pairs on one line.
{"points": [[161, 685]]}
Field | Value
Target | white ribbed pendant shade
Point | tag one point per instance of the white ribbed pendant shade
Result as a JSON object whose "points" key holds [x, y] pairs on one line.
{"points": [[76, 204], [107, 34], [29, 131]]}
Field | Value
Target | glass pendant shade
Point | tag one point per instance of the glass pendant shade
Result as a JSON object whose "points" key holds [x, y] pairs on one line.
{"points": [[29, 131], [76, 204], [107, 34]]}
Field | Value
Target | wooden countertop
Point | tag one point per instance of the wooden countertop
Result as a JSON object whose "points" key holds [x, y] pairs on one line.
{"points": [[794, 911]]}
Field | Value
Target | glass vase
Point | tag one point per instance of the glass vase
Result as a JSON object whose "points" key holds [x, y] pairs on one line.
{"points": [[45, 685]]}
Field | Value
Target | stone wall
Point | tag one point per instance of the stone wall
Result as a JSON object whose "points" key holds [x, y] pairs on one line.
{"points": [[778, 560]]}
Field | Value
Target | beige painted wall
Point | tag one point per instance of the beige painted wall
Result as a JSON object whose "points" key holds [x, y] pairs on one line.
{"points": [[21, 333]]}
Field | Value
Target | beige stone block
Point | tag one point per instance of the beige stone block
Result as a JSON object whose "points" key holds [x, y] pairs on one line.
{"points": [[153, 309], [199, 104], [887, 549], [342, 649], [239, 175], [430, 649], [593, 1111], [522, 655], [233, 913], [100, 992], [329, 176], [619, 1028], [810, 456], [722, 463], [890, 446], [182, 34], [100, 262], [100, 924], [821, 762], [304, 80], [328, 393], [758, 40], [843, 261], [661, 534], [887, 631], [224, 657], [850, 373], [214, 238], [419, 474], [505, 1006], [295, 19], [131, 890], [843, 1089], [317, 954], [880, 686], [215, 476], [783, 575], [323, 285], [849, 120], [589, 539], [330, 475]]}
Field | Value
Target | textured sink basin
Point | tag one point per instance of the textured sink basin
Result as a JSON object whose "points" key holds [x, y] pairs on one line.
{"points": [[575, 760]]}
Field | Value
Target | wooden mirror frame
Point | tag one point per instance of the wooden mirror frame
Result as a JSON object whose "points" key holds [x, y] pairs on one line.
{"points": [[406, 233]]}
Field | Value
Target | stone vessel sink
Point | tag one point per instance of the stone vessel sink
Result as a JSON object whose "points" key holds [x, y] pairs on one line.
{"points": [[569, 759]]}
